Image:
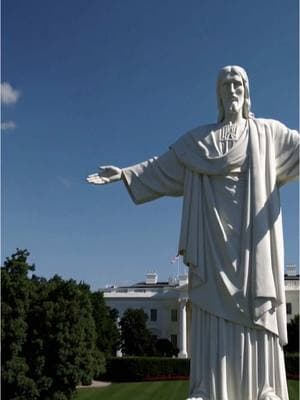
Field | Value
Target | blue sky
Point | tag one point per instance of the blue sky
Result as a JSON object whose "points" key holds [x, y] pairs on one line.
{"points": [[116, 82]]}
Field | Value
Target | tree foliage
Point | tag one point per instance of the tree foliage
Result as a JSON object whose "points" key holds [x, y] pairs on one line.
{"points": [[61, 337], [107, 332], [49, 337], [16, 291], [293, 335], [165, 348], [136, 338]]}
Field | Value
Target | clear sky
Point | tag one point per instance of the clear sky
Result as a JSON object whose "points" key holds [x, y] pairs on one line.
{"points": [[96, 82]]}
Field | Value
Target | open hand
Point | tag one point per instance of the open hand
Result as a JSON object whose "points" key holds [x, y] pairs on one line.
{"points": [[107, 174]]}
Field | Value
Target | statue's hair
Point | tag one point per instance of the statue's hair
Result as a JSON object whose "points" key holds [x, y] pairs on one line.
{"points": [[247, 102]]}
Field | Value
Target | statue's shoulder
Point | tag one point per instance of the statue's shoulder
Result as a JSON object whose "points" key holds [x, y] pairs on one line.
{"points": [[202, 129], [200, 132], [192, 136], [268, 122], [188, 142]]}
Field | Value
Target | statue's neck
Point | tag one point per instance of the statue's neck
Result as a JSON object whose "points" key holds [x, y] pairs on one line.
{"points": [[234, 118]]}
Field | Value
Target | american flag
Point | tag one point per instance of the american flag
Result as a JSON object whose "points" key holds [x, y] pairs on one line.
{"points": [[174, 259]]}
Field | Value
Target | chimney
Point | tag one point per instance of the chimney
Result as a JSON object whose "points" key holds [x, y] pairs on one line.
{"points": [[151, 278]]}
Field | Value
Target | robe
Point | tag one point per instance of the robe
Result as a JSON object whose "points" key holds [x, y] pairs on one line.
{"points": [[236, 279]]}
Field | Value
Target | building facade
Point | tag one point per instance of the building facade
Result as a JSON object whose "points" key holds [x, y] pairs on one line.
{"points": [[292, 290], [168, 308]]}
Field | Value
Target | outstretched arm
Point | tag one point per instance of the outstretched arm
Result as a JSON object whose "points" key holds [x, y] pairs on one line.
{"points": [[106, 174], [159, 176], [287, 143]]}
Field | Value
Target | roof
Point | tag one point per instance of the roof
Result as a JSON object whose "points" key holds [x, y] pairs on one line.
{"points": [[291, 277], [144, 285]]}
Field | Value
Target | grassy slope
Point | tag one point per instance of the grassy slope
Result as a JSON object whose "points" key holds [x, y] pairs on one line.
{"points": [[176, 390]]}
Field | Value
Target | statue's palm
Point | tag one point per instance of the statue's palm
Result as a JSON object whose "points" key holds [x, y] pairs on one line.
{"points": [[107, 174]]}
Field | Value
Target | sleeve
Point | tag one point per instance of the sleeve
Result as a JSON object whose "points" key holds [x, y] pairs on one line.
{"points": [[286, 153], [157, 177]]}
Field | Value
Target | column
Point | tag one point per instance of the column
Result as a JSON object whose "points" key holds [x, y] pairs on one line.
{"points": [[119, 351], [182, 329]]}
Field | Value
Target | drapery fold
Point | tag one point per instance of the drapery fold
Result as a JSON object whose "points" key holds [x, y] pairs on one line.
{"points": [[231, 361]]}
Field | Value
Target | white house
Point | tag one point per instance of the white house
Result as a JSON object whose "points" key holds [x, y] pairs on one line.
{"points": [[292, 290], [168, 308]]}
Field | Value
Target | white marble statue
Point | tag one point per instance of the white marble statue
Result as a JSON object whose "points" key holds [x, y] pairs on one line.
{"points": [[229, 175]]}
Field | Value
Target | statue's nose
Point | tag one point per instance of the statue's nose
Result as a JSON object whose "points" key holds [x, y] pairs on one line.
{"points": [[231, 88]]}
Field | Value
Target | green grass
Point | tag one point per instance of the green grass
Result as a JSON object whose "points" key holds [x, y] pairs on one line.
{"points": [[293, 387], [175, 390]]}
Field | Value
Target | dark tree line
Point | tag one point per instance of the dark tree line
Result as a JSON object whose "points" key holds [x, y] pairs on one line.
{"points": [[55, 333]]}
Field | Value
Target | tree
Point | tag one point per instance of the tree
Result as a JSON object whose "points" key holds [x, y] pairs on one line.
{"points": [[293, 335], [16, 290], [48, 334], [61, 337], [165, 348], [136, 338], [107, 332]]}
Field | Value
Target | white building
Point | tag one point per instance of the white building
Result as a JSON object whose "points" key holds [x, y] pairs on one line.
{"points": [[292, 290], [168, 308]]}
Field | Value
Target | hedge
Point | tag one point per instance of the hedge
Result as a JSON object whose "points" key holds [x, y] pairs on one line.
{"points": [[292, 365], [130, 369]]}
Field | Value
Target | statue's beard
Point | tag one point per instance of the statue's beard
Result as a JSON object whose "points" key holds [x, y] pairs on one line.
{"points": [[234, 107]]}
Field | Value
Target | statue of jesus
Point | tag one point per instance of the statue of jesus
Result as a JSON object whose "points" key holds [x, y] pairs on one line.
{"points": [[229, 174]]}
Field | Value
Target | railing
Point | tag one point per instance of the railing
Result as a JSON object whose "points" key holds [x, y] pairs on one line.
{"points": [[292, 285]]}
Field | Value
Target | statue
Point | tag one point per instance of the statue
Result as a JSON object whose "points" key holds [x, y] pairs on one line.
{"points": [[229, 175]]}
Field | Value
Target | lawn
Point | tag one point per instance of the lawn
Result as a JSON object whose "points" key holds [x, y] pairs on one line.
{"points": [[176, 390]]}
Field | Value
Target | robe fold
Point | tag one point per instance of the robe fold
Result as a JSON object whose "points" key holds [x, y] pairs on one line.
{"points": [[231, 229]]}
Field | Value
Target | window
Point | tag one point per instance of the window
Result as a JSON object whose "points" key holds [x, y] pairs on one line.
{"points": [[153, 315], [174, 340], [289, 308], [174, 315]]}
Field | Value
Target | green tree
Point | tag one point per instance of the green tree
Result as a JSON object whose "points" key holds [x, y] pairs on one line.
{"points": [[16, 293], [107, 332], [48, 334], [135, 336], [165, 348], [293, 335], [62, 338]]}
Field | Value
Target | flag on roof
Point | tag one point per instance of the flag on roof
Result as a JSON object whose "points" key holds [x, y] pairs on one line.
{"points": [[174, 259]]}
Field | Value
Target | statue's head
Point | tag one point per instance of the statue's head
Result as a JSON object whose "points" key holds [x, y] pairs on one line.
{"points": [[234, 70]]}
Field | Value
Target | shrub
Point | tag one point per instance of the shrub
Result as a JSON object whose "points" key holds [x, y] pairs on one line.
{"points": [[127, 369], [292, 365], [130, 369]]}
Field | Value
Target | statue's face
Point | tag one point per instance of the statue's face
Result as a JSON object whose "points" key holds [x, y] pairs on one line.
{"points": [[232, 93]]}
